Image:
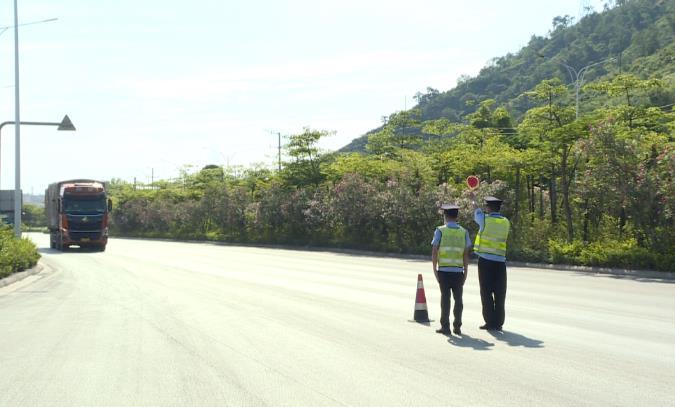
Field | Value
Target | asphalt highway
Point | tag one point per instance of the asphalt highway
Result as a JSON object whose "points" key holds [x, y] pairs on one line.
{"points": [[153, 323]]}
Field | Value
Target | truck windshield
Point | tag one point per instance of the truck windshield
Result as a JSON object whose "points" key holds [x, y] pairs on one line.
{"points": [[84, 205]]}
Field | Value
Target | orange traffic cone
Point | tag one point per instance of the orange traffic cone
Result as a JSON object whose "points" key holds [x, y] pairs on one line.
{"points": [[421, 313]]}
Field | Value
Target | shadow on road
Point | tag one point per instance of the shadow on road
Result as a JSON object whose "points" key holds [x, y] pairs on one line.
{"points": [[427, 323], [465, 341], [514, 339], [46, 250]]}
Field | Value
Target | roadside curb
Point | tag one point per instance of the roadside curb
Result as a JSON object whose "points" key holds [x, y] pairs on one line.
{"points": [[13, 278], [647, 274]]}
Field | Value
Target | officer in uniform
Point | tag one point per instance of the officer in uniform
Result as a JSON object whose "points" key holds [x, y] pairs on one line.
{"points": [[450, 260], [490, 245]]}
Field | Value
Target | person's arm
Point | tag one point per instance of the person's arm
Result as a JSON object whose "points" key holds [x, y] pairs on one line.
{"points": [[466, 264], [472, 197], [479, 218], [434, 261], [478, 214]]}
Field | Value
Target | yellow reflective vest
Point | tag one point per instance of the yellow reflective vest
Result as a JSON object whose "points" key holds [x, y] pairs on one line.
{"points": [[492, 239], [451, 247]]}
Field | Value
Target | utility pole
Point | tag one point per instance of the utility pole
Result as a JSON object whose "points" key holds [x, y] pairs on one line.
{"points": [[279, 148]]}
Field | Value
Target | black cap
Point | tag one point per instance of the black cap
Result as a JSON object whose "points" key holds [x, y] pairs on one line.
{"points": [[492, 199], [449, 206]]}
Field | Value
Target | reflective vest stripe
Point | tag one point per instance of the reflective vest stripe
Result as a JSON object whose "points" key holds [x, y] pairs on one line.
{"points": [[451, 248], [492, 240]]}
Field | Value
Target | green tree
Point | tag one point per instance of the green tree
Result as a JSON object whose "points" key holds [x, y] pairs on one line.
{"points": [[552, 128], [304, 168], [627, 88], [34, 215], [401, 131]]}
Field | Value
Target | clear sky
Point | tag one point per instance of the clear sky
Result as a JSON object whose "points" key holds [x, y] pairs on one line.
{"points": [[161, 84]]}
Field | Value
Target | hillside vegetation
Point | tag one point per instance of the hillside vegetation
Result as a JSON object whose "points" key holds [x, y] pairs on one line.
{"points": [[591, 186], [635, 37]]}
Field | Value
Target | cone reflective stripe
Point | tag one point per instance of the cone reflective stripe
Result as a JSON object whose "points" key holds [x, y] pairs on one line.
{"points": [[421, 313]]}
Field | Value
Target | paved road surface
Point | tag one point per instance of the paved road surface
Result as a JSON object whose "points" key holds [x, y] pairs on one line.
{"points": [[175, 324]]}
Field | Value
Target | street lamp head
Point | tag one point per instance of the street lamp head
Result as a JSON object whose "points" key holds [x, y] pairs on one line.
{"points": [[66, 124]]}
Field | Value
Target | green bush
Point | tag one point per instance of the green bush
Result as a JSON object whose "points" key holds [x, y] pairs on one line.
{"points": [[15, 254], [610, 253], [528, 240]]}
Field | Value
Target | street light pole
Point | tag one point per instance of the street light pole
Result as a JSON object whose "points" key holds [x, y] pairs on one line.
{"points": [[17, 129], [64, 124], [577, 77], [5, 28]]}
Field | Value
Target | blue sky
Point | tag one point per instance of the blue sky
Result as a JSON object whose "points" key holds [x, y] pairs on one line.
{"points": [[156, 85]]}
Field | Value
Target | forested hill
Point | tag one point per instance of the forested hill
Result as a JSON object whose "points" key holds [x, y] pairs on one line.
{"points": [[633, 36]]}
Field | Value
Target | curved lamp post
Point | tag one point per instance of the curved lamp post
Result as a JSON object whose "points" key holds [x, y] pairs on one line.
{"points": [[577, 76], [17, 120], [63, 125]]}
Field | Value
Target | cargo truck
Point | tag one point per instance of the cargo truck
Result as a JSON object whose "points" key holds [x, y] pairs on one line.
{"points": [[78, 214]]}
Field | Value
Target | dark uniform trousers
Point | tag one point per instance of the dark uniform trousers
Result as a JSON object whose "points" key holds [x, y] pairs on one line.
{"points": [[492, 280], [451, 281]]}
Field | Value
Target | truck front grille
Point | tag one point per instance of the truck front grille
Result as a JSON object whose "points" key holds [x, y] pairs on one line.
{"points": [[85, 223]]}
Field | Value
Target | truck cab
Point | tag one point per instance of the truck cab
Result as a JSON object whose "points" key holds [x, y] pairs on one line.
{"points": [[78, 214]]}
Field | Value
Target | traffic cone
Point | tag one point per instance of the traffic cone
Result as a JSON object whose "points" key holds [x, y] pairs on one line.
{"points": [[421, 313]]}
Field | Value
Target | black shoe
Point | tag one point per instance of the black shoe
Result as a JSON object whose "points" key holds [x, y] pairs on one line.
{"points": [[444, 331], [456, 331], [499, 328], [486, 326]]}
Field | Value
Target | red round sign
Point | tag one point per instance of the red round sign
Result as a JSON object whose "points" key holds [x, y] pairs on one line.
{"points": [[472, 181]]}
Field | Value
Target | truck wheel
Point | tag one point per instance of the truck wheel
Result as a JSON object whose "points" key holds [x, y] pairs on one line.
{"points": [[101, 248]]}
